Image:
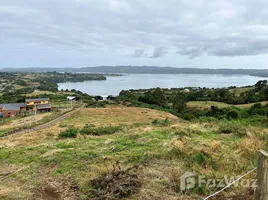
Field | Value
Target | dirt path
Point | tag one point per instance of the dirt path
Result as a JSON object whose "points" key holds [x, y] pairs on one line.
{"points": [[45, 125]]}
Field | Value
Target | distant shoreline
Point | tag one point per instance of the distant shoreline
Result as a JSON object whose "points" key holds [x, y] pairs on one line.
{"points": [[117, 70]]}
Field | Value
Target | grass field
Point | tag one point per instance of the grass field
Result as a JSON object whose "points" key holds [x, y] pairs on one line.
{"points": [[206, 104], [239, 90], [38, 165], [37, 93], [16, 122]]}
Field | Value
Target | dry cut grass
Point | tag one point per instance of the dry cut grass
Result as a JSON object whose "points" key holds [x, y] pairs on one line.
{"points": [[116, 115]]}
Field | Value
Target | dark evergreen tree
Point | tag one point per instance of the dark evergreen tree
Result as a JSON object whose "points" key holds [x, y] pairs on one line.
{"points": [[179, 103]]}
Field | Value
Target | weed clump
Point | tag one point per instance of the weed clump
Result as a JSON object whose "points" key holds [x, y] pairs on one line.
{"points": [[232, 128], [158, 122], [106, 130], [115, 184], [69, 133]]}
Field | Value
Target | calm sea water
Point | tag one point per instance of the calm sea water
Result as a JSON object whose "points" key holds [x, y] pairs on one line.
{"points": [[114, 84]]}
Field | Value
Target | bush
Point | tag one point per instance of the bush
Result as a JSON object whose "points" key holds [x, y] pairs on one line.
{"points": [[232, 128], [69, 133], [108, 130], [158, 122], [232, 114]]}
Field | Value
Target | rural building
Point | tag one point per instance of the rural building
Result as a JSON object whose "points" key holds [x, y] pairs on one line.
{"points": [[186, 90], [104, 98], [70, 98], [9, 110], [98, 98], [111, 97], [13, 109], [39, 104]]}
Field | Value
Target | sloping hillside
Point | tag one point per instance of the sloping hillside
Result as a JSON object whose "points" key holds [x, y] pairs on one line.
{"points": [[40, 165]]}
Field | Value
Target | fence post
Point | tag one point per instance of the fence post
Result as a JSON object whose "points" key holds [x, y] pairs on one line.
{"points": [[261, 192]]}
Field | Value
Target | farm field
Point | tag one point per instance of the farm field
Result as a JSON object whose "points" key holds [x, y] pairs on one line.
{"points": [[40, 165], [208, 104]]}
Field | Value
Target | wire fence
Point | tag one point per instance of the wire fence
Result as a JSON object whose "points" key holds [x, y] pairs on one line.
{"points": [[230, 184]]}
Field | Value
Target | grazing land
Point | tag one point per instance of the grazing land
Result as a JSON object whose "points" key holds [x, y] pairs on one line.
{"points": [[40, 165]]}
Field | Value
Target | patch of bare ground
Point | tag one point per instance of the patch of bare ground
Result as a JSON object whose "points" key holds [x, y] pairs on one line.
{"points": [[55, 190]]}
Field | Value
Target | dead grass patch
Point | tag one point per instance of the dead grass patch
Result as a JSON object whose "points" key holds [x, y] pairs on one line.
{"points": [[215, 145], [249, 145], [116, 115], [115, 184]]}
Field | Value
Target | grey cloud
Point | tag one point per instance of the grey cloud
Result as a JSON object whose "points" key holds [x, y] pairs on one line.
{"points": [[194, 28], [139, 53], [159, 52]]}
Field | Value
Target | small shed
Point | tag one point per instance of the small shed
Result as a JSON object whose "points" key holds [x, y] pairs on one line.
{"points": [[98, 98], [104, 97], [111, 97]]}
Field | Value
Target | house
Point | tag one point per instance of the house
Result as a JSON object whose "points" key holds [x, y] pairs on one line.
{"points": [[41, 104], [186, 90], [13, 109], [10, 110], [70, 98], [98, 98], [111, 97], [104, 97]]}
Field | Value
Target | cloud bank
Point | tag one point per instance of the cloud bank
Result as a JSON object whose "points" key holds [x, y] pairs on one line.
{"points": [[138, 28]]}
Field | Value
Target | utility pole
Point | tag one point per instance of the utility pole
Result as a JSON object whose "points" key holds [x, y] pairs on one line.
{"points": [[35, 112]]}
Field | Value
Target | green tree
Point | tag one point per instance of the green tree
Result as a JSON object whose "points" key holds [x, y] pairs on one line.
{"points": [[159, 97], [260, 84], [179, 103]]}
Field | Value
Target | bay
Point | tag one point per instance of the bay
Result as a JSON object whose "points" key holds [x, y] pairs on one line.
{"points": [[115, 84]]}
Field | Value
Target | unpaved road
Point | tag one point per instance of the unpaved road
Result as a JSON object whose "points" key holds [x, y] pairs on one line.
{"points": [[50, 123]]}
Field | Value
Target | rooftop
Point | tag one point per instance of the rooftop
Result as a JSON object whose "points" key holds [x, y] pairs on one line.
{"points": [[35, 100], [12, 105], [45, 106]]}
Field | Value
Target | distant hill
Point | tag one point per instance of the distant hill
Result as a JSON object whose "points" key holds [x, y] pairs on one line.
{"points": [[144, 70]]}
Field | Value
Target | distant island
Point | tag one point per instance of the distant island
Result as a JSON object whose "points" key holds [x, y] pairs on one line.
{"points": [[145, 70]]}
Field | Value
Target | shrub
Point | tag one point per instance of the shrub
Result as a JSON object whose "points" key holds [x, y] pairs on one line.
{"points": [[108, 130], [257, 109], [232, 128], [69, 133], [158, 122], [201, 159], [232, 114], [265, 122]]}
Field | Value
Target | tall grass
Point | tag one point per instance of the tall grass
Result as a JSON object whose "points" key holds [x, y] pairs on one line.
{"points": [[69, 133], [232, 128], [105, 130]]}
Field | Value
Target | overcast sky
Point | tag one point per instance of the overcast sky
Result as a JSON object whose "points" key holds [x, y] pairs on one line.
{"points": [[179, 33]]}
